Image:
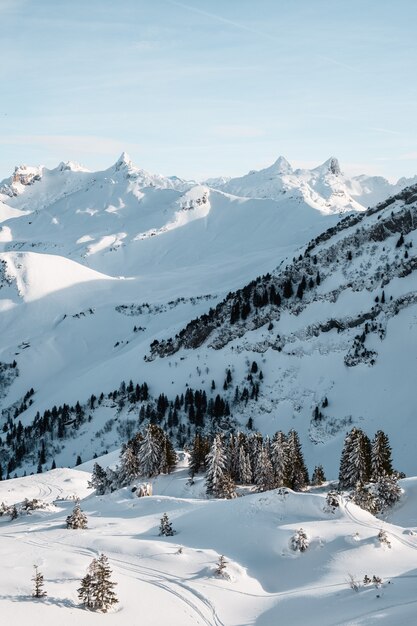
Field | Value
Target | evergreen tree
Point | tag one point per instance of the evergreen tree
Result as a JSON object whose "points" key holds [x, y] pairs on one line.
{"points": [[381, 463], [77, 519], [264, 477], [85, 591], [299, 541], [221, 567], [297, 474], [287, 290], [355, 463], [244, 467], [150, 453], [318, 477], [165, 527], [168, 456], [218, 481], [99, 480], [129, 465], [96, 590], [280, 461], [388, 491], [38, 584]]}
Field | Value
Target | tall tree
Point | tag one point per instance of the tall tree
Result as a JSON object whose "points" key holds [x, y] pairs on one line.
{"points": [[218, 481], [381, 463], [298, 474]]}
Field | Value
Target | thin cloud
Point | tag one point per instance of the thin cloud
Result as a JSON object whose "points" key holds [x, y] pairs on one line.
{"points": [[253, 31], [386, 131]]}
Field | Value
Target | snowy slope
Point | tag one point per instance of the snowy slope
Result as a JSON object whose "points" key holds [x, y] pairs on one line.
{"points": [[267, 582], [94, 267]]}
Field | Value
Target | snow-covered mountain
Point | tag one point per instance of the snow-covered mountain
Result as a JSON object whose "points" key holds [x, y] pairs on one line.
{"points": [[96, 267], [325, 187], [271, 302]]}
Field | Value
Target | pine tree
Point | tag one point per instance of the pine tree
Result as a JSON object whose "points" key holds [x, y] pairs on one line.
{"points": [[129, 465], [318, 477], [218, 481], [96, 591], [165, 527], [221, 567], [244, 467], [287, 290], [264, 477], [381, 462], [38, 583], [388, 491], [99, 480], [77, 519], [85, 591], [355, 463], [298, 474], [150, 452], [280, 461], [299, 541]]}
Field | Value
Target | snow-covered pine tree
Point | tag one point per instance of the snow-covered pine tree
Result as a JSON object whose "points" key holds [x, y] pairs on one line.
{"points": [[38, 584], [318, 477], [129, 465], [355, 464], [264, 477], [255, 443], [388, 491], [364, 497], [221, 567], [279, 457], [244, 470], [299, 541], [103, 596], [298, 474], [381, 463], [98, 480], [85, 591], [218, 481], [165, 527], [168, 456], [77, 519], [200, 449], [150, 452]]}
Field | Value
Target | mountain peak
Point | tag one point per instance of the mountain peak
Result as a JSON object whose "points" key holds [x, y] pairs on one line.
{"points": [[282, 166], [332, 165], [123, 162]]}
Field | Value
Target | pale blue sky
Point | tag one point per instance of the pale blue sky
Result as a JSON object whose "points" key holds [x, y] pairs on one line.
{"points": [[208, 87]]}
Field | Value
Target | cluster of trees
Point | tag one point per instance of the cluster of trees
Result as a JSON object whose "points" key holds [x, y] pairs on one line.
{"points": [[366, 469], [58, 423], [147, 454], [192, 410], [96, 589], [250, 460]]}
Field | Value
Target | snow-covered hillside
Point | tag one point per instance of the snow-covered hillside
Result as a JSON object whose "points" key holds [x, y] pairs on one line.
{"points": [[102, 272], [172, 579]]}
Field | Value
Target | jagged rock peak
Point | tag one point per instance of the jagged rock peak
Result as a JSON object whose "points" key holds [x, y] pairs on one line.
{"points": [[123, 162], [333, 166]]}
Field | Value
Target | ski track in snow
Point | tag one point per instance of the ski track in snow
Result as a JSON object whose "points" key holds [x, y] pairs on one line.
{"points": [[146, 574]]}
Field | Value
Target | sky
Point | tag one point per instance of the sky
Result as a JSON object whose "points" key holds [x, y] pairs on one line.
{"points": [[209, 87]]}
